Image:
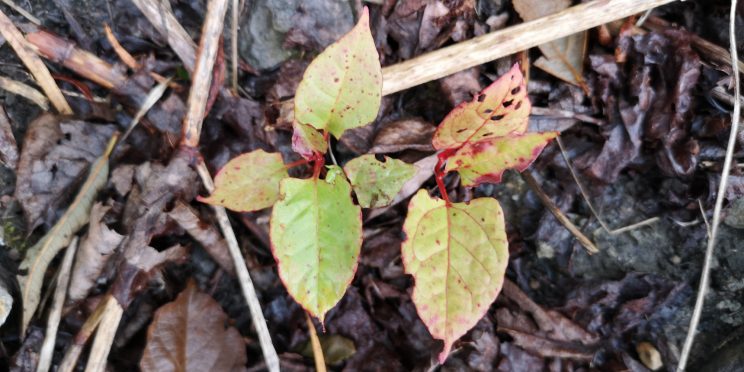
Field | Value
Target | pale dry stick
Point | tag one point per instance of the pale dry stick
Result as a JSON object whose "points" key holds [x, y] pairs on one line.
{"points": [[25, 91], [196, 106], [70, 359], [320, 365], [590, 247], [201, 76], [22, 12], [163, 19], [585, 195], [705, 275], [558, 113], [105, 334], [234, 47], [705, 218], [246, 284], [122, 53], [34, 64], [55, 314], [488, 47]]}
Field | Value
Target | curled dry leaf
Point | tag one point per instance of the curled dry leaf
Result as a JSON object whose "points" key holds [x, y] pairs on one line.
{"points": [[457, 254], [55, 155], [190, 334], [95, 250], [342, 87], [376, 183], [248, 182], [316, 236], [205, 233], [562, 58], [404, 134], [38, 257]]}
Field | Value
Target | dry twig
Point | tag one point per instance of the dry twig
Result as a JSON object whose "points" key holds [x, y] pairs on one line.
{"points": [[25, 91], [63, 280], [705, 275], [34, 64]]}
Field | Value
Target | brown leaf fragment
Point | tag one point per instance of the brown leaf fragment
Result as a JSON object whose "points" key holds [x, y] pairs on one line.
{"points": [[54, 158], [190, 334], [8, 145], [95, 250], [404, 134], [204, 233], [548, 348]]}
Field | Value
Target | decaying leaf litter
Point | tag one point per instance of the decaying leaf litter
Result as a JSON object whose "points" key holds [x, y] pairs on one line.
{"points": [[657, 151]]}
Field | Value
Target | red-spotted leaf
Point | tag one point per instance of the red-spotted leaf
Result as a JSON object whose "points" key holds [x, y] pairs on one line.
{"points": [[376, 183], [342, 87], [316, 236], [502, 108], [457, 255], [485, 161], [248, 182], [307, 141]]}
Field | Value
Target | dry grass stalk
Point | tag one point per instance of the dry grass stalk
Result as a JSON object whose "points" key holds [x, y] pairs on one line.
{"points": [[25, 91], [55, 314], [34, 64]]}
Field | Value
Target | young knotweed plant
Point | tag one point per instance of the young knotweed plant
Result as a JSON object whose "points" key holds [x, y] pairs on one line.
{"points": [[316, 228], [456, 252]]}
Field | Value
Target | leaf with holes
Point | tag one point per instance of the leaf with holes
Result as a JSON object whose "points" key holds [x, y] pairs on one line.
{"points": [[316, 236], [342, 87], [502, 108], [457, 254], [376, 183], [248, 182], [485, 161]]}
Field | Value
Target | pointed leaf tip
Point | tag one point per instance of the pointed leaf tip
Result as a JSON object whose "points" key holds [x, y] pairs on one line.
{"points": [[342, 87], [248, 182], [457, 255]]}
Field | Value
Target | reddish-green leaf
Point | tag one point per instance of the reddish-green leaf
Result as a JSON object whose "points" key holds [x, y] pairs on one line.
{"points": [[316, 236], [457, 255], [502, 108], [376, 183], [307, 141], [485, 161], [248, 182], [342, 87], [190, 334]]}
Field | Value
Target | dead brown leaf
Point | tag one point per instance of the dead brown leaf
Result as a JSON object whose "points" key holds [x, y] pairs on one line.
{"points": [[53, 160], [95, 250], [404, 134], [204, 233], [189, 334], [562, 58]]}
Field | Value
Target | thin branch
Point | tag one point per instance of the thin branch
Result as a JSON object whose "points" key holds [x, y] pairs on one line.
{"points": [[545, 199], [63, 280], [34, 64], [705, 275], [70, 359], [234, 46], [585, 195], [488, 47], [320, 365], [105, 334]]}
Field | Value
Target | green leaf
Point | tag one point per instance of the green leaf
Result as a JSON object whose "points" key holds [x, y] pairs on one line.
{"points": [[75, 217], [248, 182], [307, 141], [342, 87], [502, 108], [376, 183], [316, 236], [485, 161], [457, 255]]}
